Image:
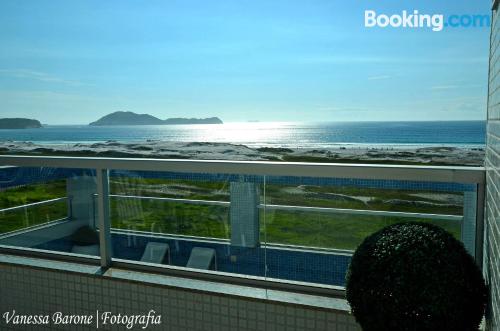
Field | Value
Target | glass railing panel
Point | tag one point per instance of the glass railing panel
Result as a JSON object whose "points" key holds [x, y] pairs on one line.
{"points": [[48, 209], [30, 215], [194, 221], [357, 203], [313, 225], [158, 216], [334, 231], [284, 228], [315, 247]]}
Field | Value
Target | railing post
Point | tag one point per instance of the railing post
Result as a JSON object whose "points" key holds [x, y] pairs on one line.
{"points": [[70, 206], [469, 228], [93, 210], [103, 218], [480, 209], [26, 220]]}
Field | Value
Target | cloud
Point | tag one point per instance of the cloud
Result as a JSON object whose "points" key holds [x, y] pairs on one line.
{"points": [[344, 109], [381, 77], [457, 86], [346, 59], [444, 87], [37, 76]]}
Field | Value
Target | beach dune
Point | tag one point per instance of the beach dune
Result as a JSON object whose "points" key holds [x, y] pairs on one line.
{"points": [[438, 155]]}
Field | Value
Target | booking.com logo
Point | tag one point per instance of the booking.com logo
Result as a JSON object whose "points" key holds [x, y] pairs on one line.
{"points": [[436, 22]]}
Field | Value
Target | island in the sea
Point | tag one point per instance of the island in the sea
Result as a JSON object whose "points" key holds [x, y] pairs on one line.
{"points": [[19, 123], [131, 118]]}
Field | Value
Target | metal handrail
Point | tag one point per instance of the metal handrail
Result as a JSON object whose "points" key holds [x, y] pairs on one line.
{"points": [[450, 174], [364, 212], [187, 201], [39, 203], [303, 208], [32, 228]]}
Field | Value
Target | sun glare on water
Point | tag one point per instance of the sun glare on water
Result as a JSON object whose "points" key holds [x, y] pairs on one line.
{"points": [[260, 133]]}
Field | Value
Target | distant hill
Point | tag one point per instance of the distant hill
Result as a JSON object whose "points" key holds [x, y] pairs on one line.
{"points": [[131, 118], [19, 123], [127, 118]]}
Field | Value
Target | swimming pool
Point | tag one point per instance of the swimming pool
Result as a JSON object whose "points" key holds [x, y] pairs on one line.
{"points": [[272, 261]]}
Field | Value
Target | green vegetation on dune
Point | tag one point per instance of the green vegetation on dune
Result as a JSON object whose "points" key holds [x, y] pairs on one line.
{"points": [[169, 188], [347, 197]]}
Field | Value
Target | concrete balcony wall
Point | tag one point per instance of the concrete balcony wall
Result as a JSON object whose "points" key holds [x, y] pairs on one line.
{"points": [[492, 221], [36, 289]]}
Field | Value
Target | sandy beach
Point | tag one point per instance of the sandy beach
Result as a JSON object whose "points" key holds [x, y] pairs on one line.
{"points": [[444, 155]]}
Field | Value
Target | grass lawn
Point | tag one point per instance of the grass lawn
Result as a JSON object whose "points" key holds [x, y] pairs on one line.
{"points": [[18, 219], [285, 227], [338, 231]]}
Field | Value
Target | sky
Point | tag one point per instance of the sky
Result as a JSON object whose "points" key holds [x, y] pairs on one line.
{"points": [[71, 62]]}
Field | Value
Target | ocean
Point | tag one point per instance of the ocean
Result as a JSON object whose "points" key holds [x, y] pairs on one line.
{"points": [[270, 134]]}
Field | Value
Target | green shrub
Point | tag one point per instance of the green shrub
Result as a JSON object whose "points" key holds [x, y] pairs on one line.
{"points": [[415, 276], [85, 236]]}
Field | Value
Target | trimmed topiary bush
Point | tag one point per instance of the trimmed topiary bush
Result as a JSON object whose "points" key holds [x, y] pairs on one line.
{"points": [[415, 276]]}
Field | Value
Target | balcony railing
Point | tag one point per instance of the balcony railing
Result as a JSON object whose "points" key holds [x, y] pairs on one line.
{"points": [[275, 224]]}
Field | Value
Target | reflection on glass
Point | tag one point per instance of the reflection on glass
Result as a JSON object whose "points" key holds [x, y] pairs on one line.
{"points": [[288, 228]]}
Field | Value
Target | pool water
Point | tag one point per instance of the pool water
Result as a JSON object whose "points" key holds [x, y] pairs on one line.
{"points": [[321, 267]]}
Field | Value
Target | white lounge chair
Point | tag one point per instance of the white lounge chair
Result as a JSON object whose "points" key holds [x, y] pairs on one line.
{"points": [[202, 258], [156, 252]]}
